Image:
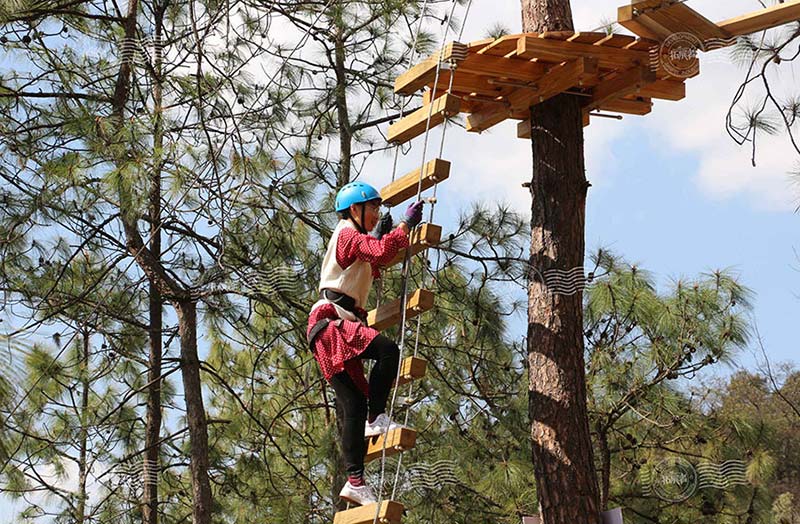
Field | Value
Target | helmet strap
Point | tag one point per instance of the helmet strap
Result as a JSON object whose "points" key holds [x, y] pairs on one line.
{"points": [[361, 226]]}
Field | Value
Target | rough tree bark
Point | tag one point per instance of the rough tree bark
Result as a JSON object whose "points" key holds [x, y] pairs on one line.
{"points": [[566, 480], [153, 429], [168, 289]]}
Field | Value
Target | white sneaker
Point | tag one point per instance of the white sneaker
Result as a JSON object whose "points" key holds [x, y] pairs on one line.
{"points": [[381, 425], [361, 495]]}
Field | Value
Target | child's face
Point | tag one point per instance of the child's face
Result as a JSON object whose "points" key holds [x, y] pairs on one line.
{"points": [[372, 212]]}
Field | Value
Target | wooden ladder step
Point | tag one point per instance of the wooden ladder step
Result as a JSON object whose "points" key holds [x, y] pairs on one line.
{"points": [[390, 512], [389, 314], [406, 186], [414, 124], [423, 237], [396, 441], [411, 368]]}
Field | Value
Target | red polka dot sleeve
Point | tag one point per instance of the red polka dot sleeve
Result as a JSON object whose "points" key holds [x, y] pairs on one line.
{"points": [[353, 246]]}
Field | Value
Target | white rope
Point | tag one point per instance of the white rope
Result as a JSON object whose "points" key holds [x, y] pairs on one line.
{"points": [[406, 259]]}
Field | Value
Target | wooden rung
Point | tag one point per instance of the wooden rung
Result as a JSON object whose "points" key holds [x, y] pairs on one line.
{"points": [[414, 124], [389, 314], [391, 512], [406, 186], [396, 441], [411, 368], [763, 19], [423, 237], [424, 73]]}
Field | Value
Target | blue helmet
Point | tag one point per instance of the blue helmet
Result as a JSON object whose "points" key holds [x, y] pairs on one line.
{"points": [[355, 193]]}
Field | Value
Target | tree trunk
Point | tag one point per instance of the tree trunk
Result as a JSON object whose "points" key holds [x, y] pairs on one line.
{"points": [[566, 480], [153, 429], [342, 113], [195, 412], [605, 465], [80, 510]]}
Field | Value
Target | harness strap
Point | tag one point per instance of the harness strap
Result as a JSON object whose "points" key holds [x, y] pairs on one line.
{"points": [[316, 330]]}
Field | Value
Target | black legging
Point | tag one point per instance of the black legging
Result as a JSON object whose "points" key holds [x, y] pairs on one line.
{"points": [[354, 405]]}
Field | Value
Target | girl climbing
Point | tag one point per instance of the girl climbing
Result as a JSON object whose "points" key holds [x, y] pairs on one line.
{"points": [[337, 331]]}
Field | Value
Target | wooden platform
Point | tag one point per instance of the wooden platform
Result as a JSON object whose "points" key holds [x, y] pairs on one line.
{"points": [[411, 368], [396, 441], [390, 513], [498, 79], [390, 314]]}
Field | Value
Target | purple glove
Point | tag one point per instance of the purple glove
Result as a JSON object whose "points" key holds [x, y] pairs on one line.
{"points": [[414, 214]]}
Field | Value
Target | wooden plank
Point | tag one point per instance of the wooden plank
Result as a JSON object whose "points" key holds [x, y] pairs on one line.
{"points": [[621, 85], [390, 512], [615, 40], [665, 90], [557, 80], [689, 20], [524, 129], [405, 187], [417, 77], [468, 83], [423, 237], [626, 19], [557, 51], [414, 124], [586, 119], [768, 18], [502, 45], [680, 18], [411, 368], [396, 441], [557, 35], [389, 314], [499, 67], [587, 37], [641, 106], [424, 73], [476, 45], [643, 44]]}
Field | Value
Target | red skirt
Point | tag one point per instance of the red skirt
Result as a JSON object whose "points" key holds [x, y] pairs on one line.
{"points": [[338, 346]]}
